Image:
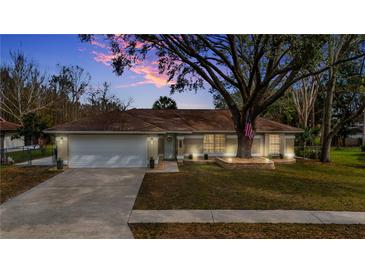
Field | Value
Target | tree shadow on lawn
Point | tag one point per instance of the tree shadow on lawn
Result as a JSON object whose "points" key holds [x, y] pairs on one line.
{"points": [[361, 158]]}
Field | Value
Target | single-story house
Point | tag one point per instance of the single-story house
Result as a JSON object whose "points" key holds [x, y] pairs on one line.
{"points": [[7, 130], [131, 138]]}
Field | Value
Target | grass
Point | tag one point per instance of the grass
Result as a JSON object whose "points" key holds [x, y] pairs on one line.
{"points": [[351, 157], [308, 185], [247, 231], [16, 180], [23, 156]]}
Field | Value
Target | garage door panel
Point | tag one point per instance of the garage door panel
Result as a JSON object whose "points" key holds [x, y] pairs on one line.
{"points": [[108, 151]]}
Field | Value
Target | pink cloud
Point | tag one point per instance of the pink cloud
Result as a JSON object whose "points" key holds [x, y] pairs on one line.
{"points": [[151, 74], [123, 44], [99, 44], [147, 69], [102, 57]]}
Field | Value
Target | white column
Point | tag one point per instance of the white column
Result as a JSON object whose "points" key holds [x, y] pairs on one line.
{"points": [[180, 148]]}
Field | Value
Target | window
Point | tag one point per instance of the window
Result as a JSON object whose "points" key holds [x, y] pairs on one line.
{"points": [[274, 144], [208, 143], [214, 143], [220, 143], [180, 143]]}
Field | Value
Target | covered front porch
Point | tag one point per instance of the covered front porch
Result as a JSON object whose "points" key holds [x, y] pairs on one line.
{"points": [[204, 147]]}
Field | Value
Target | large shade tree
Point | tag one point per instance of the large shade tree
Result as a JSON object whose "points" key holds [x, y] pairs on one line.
{"points": [[260, 68]]}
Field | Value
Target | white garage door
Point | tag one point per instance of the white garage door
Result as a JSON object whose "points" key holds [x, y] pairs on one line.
{"points": [[107, 151]]}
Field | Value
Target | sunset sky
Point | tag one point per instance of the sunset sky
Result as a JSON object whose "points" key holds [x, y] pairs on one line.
{"points": [[143, 83]]}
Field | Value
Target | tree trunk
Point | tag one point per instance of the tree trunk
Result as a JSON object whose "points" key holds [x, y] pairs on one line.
{"points": [[244, 145], [327, 118], [325, 150], [313, 118]]}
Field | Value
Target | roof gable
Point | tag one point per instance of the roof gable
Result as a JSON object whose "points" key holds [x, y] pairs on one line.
{"points": [[8, 126]]}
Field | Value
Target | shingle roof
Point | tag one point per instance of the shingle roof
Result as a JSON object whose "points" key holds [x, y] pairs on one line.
{"points": [[8, 126], [180, 120]]}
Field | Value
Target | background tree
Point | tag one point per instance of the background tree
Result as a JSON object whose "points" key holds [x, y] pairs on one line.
{"points": [[304, 97], [68, 86], [283, 111], [339, 47], [100, 100], [31, 129], [260, 67], [164, 102], [23, 88], [345, 104]]}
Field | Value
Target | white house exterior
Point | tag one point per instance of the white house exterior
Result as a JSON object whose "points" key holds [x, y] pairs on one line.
{"points": [[132, 138], [8, 130]]}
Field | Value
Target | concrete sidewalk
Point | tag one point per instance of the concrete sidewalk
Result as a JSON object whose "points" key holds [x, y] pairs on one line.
{"points": [[247, 216], [46, 161]]}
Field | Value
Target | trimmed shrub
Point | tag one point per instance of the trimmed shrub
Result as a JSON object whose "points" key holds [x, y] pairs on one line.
{"points": [[308, 152]]}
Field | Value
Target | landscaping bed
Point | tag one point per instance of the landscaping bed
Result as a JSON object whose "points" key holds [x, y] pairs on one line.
{"points": [[247, 231], [16, 180], [307, 185], [238, 163]]}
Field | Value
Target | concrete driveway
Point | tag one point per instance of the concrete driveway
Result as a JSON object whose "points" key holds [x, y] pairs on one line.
{"points": [[78, 203]]}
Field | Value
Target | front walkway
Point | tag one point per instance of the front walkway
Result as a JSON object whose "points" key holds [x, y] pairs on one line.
{"points": [[247, 216], [165, 167], [46, 161]]}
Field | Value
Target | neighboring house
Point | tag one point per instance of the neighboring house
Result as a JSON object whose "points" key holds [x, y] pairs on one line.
{"points": [[131, 138], [356, 136], [7, 130]]}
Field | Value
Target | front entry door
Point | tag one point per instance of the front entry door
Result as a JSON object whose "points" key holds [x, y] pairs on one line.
{"points": [[169, 147]]}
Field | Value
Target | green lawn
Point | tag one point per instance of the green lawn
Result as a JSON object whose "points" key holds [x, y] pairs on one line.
{"points": [[247, 231], [23, 156], [351, 157], [309, 185]]}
